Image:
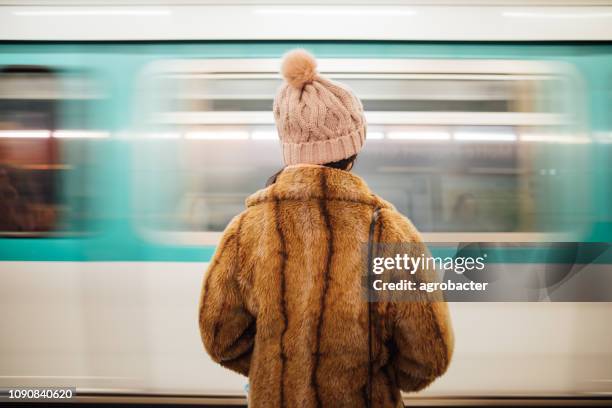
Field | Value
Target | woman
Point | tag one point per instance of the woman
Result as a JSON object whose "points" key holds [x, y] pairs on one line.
{"points": [[282, 300]]}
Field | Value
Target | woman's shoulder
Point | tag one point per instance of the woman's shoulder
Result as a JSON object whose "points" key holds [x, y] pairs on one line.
{"points": [[398, 226]]}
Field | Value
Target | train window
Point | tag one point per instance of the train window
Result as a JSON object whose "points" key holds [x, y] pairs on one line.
{"points": [[42, 118], [388, 93], [458, 146]]}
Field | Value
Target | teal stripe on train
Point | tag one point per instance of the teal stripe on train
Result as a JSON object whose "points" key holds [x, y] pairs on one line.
{"points": [[117, 236]]}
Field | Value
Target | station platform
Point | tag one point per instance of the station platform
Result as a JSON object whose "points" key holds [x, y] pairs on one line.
{"points": [[186, 401]]}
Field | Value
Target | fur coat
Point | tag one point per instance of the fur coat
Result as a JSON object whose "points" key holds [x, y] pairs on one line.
{"points": [[282, 300]]}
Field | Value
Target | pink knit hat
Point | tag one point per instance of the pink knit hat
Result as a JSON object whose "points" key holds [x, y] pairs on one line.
{"points": [[319, 121]]}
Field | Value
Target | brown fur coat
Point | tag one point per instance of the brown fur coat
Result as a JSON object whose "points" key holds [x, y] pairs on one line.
{"points": [[282, 301]]}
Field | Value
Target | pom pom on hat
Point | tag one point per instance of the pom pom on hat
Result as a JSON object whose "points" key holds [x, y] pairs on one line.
{"points": [[299, 68]]}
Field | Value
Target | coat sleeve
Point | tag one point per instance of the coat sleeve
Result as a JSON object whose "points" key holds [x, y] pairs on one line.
{"points": [[226, 327], [421, 333]]}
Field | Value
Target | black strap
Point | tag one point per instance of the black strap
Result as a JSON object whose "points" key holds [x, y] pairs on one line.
{"points": [[373, 223]]}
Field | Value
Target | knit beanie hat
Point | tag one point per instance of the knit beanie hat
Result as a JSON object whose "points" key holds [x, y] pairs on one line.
{"points": [[318, 120]]}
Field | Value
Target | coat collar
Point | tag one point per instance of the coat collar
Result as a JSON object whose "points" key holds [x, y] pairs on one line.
{"points": [[308, 182]]}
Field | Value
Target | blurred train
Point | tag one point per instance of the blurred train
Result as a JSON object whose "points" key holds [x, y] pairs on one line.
{"points": [[123, 157]]}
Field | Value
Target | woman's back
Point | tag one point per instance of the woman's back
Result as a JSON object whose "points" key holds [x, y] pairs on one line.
{"points": [[295, 261], [283, 300]]}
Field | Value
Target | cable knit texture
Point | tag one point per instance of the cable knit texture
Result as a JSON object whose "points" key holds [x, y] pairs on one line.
{"points": [[318, 120]]}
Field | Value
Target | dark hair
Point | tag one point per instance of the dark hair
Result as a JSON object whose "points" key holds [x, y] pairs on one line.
{"points": [[344, 164]]}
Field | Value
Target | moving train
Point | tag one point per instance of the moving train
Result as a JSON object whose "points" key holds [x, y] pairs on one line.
{"points": [[131, 134]]}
